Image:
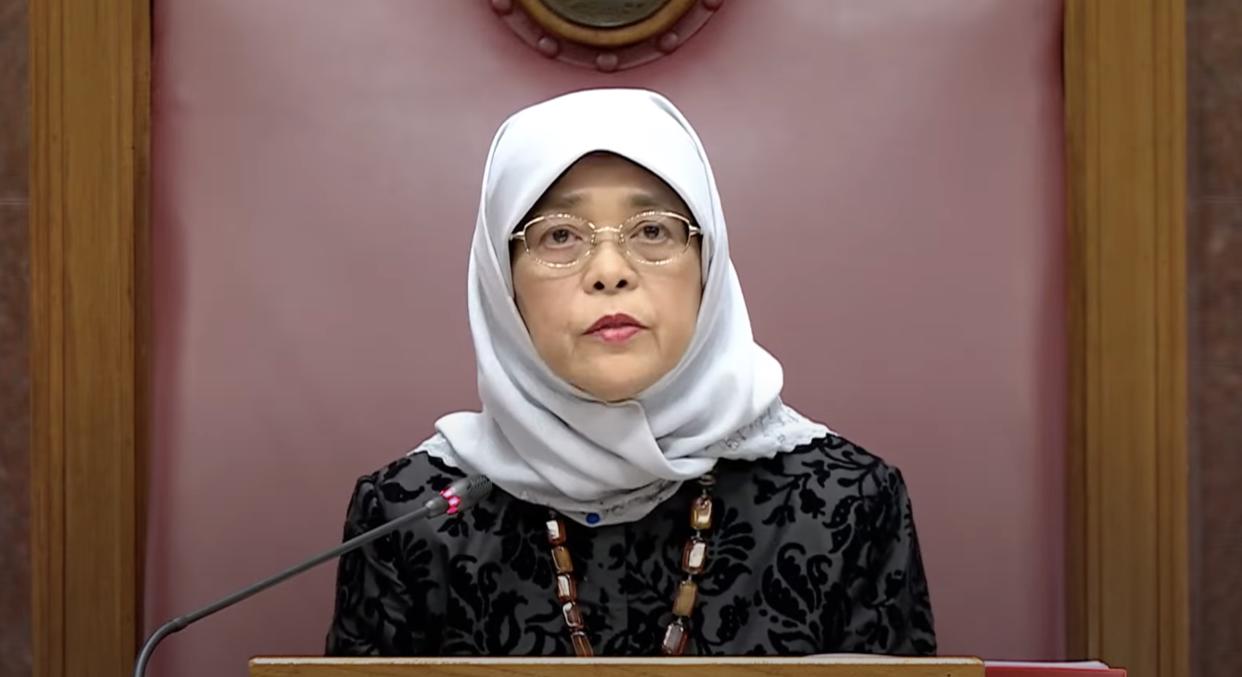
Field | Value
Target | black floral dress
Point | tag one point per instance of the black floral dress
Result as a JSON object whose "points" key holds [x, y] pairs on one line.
{"points": [[813, 551]]}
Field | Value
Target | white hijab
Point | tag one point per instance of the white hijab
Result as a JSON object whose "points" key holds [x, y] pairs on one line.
{"points": [[547, 442]]}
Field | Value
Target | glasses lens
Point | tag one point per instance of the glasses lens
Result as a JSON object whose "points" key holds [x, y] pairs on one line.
{"points": [[656, 238], [558, 239]]}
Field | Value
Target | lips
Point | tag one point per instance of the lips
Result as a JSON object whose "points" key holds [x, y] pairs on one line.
{"points": [[615, 328], [618, 321]]}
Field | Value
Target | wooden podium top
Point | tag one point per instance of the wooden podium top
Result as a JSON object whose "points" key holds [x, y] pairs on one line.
{"points": [[817, 666]]}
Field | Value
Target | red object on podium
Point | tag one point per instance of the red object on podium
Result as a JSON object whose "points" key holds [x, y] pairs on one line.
{"points": [[1088, 669]]}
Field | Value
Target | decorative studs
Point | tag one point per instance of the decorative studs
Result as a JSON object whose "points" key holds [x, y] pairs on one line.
{"points": [[607, 62], [668, 42], [548, 47]]}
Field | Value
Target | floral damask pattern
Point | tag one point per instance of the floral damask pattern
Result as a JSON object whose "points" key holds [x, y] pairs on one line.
{"points": [[814, 551]]}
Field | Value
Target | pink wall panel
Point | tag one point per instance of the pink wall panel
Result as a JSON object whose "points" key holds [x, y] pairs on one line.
{"points": [[892, 175]]}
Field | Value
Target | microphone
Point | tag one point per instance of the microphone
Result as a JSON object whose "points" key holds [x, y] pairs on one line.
{"points": [[458, 497]]}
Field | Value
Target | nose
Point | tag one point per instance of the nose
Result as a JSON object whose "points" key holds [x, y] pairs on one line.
{"points": [[608, 269]]}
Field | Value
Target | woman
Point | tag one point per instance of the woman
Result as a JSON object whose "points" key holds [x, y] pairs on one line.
{"points": [[654, 495]]}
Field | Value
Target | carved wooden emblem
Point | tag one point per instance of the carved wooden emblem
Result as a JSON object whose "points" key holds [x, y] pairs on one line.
{"points": [[607, 35]]}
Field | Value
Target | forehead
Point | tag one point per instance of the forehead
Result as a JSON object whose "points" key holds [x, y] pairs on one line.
{"points": [[608, 178]]}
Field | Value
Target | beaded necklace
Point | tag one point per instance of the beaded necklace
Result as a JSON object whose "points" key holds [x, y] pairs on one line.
{"points": [[693, 562]]}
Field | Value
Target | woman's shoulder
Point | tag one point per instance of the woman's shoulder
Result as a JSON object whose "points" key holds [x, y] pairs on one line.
{"points": [[827, 472], [832, 456], [826, 497]]}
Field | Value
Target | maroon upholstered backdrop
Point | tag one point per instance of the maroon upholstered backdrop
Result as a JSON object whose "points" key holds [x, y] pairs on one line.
{"points": [[15, 653], [892, 176], [1214, 65]]}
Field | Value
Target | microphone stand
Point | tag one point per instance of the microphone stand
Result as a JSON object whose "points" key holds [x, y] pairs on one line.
{"points": [[457, 497]]}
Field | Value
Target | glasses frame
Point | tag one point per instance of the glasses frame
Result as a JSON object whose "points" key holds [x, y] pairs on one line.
{"points": [[691, 231]]}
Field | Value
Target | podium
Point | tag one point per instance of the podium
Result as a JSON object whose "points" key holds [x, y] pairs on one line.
{"points": [[814, 666]]}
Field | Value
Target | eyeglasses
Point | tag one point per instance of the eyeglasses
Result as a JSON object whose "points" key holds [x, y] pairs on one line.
{"points": [[564, 240]]}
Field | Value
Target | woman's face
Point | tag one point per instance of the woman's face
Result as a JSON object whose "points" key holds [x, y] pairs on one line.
{"points": [[564, 308]]}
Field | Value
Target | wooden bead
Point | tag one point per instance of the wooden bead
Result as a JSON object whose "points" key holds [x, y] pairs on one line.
{"points": [[556, 532], [687, 593], [582, 645], [566, 588], [701, 513], [560, 557], [694, 556], [573, 616], [675, 638]]}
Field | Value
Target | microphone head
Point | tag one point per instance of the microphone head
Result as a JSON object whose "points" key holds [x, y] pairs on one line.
{"points": [[465, 493]]}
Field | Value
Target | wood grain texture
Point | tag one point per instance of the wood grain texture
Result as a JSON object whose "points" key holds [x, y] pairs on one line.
{"points": [[1125, 107], [618, 667], [90, 87]]}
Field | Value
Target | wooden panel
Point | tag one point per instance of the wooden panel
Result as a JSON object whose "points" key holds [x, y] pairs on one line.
{"points": [[1171, 329], [89, 92], [1125, 101], [618, 667]]}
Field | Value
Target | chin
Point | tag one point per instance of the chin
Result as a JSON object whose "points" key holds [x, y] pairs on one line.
{"points": [[616, 378], [615, 391]]}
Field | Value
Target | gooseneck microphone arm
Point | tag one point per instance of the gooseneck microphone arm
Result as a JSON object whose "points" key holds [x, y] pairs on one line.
{"points": [[457, 497]]}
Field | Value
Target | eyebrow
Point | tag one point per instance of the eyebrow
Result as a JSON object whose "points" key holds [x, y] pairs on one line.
{"points": [[645, 200], [562, 203]]}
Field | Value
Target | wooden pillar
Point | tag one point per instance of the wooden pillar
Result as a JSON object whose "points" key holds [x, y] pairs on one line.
{"points": [[90, 86], [1127, 473]]}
